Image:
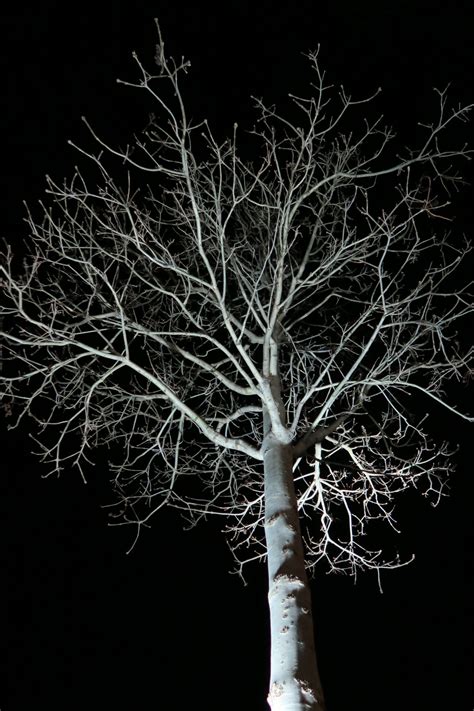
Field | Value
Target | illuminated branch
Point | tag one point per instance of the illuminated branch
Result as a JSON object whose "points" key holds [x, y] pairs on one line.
{"points": [[303, 296]]}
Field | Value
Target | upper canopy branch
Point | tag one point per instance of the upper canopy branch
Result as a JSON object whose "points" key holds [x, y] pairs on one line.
{"points": [[303, 295]]}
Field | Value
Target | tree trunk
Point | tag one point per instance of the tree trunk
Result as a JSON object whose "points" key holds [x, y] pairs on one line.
{"points": [[294, 676]]}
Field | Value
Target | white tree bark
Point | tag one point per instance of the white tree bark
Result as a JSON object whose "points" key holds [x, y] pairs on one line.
{"points": [[294, 678]]}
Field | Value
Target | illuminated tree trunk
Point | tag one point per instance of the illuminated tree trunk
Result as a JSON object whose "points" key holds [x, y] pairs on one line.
{"points": [[294, 676]]}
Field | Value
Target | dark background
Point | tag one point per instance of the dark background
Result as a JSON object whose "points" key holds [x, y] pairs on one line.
{"points": [[84, 624]]}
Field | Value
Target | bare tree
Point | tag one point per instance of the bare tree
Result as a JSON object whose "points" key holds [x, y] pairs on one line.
{"points": [[246, 336]]}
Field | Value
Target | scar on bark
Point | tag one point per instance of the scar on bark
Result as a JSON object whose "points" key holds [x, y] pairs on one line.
{"points": [[271, 520]]}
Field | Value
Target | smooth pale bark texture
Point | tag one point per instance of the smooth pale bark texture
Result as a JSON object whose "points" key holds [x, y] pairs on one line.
{"points": [[294, 677]]}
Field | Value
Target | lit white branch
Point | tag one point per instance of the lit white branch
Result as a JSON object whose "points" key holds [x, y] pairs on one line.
{"points": [[305, 296]]}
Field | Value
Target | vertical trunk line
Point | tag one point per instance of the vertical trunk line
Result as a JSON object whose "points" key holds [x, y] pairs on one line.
{"points": [[294, 676]]}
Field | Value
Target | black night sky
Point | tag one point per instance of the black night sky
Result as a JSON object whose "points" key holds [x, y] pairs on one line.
{"points": [[83, 625]]}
